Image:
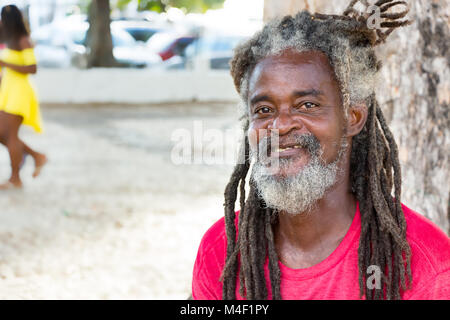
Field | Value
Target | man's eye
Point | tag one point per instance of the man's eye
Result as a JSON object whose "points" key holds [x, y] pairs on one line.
{"points": [[263, 110], [309, 105]]}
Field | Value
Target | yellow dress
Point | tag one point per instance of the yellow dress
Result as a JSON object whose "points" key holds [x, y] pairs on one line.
{"points": [[17, 96]]}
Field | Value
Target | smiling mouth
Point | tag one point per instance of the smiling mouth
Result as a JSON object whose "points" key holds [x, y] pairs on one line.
{"points": [[287, 151], [287, 148]]}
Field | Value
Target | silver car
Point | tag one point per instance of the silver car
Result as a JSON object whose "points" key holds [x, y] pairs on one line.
{"points": [[62, 44]]}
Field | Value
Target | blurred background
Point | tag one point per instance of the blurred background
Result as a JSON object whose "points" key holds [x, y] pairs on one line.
{"points": [[112, 217]]}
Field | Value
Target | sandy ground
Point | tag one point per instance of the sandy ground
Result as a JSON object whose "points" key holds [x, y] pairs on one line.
{"points": [[111, 217]]}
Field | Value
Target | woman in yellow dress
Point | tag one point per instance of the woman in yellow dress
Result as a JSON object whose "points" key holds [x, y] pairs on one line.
{"points": [[18, 101]]}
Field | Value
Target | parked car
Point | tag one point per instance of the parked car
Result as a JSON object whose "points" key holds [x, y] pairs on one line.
{"points": [[215, 51], [60, 45], [139, 30], [169, 43], [64, 45], [130, 53]]}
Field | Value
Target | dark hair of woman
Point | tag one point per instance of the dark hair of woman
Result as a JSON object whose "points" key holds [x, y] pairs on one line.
{"points": [[13, 26]]}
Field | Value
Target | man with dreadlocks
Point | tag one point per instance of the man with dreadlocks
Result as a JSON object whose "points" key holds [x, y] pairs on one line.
{"points": [[327, 221]]}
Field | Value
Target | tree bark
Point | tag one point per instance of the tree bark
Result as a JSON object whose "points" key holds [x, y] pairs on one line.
{"points": [[99, 40], [414, 92]]}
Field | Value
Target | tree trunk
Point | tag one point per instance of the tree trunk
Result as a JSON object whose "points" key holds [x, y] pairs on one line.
{"points": [[99, 40], [415, 96]]}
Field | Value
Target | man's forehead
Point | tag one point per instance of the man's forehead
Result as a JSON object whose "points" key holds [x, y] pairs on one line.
{"points": [[306, 66], [294, 57], [291, 54]]}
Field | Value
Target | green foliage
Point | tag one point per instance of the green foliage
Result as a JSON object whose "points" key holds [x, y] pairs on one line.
{"points": [[196, 5], [121, 4], [84, 5], [161, 5]]}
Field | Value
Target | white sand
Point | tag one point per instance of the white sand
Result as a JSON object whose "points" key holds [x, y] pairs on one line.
{"points": [[111, 217]]}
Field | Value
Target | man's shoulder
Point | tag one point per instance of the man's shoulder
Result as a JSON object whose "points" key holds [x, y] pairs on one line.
{"points": [[215, 237], [216, 233], [430, 246], [209, 263]]}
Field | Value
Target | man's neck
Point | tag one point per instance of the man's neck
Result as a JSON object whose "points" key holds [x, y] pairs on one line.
{"points": [[305, 239]]}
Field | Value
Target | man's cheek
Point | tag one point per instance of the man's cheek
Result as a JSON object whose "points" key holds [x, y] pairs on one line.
{"points": [[255, 136], [252, 138], [329, 150]]}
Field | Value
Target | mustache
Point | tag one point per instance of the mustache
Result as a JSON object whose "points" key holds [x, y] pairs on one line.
{"points": [[269, 143]]}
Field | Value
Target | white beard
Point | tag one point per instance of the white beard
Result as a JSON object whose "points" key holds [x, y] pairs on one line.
{"points": [[298, 193]]}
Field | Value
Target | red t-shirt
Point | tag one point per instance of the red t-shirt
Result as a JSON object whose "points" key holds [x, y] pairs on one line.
{"points": [[336, 277]]}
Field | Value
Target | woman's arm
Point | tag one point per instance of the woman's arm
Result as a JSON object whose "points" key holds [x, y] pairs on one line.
{"points": [[22, 69], [25, 43]]}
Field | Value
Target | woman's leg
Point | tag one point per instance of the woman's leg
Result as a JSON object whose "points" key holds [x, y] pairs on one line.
{"points": [[4, 134], [3, 128], [15, 147]]}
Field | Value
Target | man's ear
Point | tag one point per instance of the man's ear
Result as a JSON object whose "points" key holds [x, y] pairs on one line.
{"points": [[356, 120]]}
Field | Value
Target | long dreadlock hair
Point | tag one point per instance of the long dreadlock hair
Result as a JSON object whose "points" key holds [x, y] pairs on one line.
{"points": [[349, 44]]}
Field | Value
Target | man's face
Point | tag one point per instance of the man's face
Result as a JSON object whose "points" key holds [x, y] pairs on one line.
{"points": [[297, 95]]}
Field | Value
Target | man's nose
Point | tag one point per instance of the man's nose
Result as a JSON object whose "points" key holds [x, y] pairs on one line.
{"points": [[285, 123]]}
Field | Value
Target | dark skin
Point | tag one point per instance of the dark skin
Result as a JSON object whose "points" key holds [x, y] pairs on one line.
{"points": [[10, 125], [24, 43], [297, 93]]}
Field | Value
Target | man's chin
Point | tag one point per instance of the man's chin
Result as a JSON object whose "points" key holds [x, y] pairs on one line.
{"points": [[284, 169]]}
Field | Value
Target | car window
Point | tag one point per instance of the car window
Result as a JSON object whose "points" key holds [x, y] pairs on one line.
{"points": [[182, 44], [141, 34], [119, 38]]}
